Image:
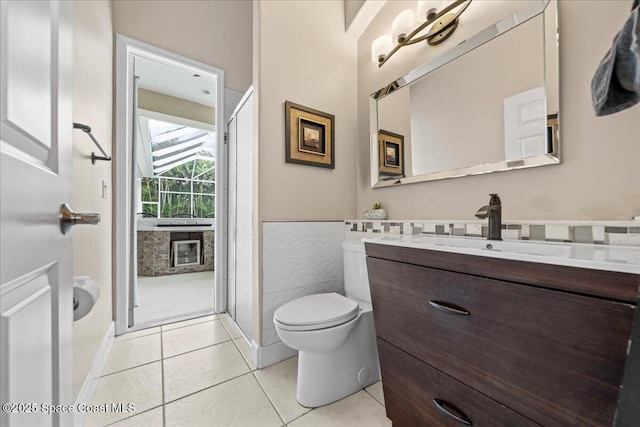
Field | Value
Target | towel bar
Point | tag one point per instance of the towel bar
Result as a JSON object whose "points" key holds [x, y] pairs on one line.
{"points": [[87, 130]]}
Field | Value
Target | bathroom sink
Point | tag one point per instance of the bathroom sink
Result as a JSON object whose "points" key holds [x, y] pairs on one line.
{"points": [[625, 259], [519, 247]]}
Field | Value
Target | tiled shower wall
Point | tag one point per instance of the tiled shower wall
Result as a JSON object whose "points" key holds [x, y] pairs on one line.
{"points": [[299, 258], [595, 232]]}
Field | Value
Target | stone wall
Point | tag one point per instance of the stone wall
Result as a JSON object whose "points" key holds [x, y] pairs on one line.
{"points": [[154, 254]]}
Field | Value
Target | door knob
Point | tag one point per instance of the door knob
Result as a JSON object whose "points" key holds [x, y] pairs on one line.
{"points": [[69, 218]]}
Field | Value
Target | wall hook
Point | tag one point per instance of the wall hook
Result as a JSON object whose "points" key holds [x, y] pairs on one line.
{"points": [[87, 130]]}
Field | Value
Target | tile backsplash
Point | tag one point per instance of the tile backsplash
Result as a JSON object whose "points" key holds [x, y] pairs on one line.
{"points": [[595, 232]]}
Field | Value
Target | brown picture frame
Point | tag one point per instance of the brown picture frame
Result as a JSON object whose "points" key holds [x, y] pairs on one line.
{"points": [[390, 153], [309, 136]]}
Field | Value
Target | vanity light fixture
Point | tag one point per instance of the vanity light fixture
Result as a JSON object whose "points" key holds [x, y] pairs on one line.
{"points": [[441, 18]]}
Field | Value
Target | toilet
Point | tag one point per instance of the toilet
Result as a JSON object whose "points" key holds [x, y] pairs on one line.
{"points": [[334, 336]]}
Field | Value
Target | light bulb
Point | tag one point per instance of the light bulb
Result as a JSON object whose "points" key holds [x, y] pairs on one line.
{"points": [[427, 9], [402, 25], [380, 47]]}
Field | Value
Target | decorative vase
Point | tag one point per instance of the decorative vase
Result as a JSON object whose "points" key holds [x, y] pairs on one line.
{"points": [[378, 214]]}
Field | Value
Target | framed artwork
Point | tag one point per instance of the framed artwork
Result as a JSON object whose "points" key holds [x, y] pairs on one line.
{"points": [[390, 153], [309, 136]]}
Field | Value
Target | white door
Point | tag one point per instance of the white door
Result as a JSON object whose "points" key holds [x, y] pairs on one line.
{"points": [[525, 124], [36, 297]]}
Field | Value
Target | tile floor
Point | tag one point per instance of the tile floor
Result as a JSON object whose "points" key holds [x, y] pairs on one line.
{"points": [[198, 373]]}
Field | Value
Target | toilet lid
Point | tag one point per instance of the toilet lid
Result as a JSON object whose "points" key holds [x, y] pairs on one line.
{"points": [[316, 312]]}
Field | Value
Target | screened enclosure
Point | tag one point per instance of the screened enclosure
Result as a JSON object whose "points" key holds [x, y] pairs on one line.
{"points": [[177, 170]]}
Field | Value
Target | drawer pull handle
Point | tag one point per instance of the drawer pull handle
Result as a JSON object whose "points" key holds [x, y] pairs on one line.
{"points": [[453, 412], [447, 307]]}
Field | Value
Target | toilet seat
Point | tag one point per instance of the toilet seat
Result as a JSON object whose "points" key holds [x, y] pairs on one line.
{"points": [[315, 312]]}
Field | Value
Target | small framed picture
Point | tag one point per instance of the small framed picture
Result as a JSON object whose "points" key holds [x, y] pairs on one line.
{"points": [[390, 153], [309, 136]]}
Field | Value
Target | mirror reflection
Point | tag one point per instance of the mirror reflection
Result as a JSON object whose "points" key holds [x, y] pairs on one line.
{"points": [[491, 106]]}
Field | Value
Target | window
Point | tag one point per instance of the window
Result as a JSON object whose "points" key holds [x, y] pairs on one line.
{"points": [[181, 162]]}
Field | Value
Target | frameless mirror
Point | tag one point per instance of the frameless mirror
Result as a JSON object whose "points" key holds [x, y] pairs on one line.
{"points": [[489, 104]]}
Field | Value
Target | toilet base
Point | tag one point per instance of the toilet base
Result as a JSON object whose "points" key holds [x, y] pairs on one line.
{"points": [[324, 378]]}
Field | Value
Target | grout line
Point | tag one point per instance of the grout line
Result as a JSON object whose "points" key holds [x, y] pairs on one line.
{"points": [[242, 356], [134, 415], [300, 416], [124, 338], [246, 360], [190, 324], [207, 388], [284, 423], [374, 398], [196, 349], [132, 367], [228, 329], [164, 420]]}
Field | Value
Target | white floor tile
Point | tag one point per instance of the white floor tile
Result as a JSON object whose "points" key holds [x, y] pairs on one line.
{"points": [[137, 334], [279, 381], [134, 352], [189, 322], [245, 350], [150, 418], [232, 328], [357, 410], [182, 340], [140, 386], [239, 402], [197, 370], [375, 390]]}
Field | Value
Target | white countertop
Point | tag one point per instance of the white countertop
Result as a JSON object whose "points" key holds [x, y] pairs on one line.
{"points": [[625, 259]]}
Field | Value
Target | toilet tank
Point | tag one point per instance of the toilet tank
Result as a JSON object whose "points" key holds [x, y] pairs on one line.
{"points": [[356, 278]]}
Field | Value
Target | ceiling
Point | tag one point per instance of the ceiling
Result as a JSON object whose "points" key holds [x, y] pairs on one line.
{"points": [[176, 82]]}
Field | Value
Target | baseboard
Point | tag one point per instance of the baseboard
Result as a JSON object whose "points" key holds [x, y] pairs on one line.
{"points": [[274, 353], [91, 381]]}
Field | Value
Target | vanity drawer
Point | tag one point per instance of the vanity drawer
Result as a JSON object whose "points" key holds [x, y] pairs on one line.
{"points": [[410, 387], [555, 357]]}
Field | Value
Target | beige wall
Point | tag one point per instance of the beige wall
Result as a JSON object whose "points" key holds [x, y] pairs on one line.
{"points": [[177, 107], [306, 58], [92, 245], [599, 178], [217, 33], [302, 55]]}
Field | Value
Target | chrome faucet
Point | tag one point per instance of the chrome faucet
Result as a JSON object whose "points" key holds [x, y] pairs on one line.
{"points": [[493, 211]]}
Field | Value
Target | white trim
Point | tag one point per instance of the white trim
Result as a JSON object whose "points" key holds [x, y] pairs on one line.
{"points": [[274, 353], [122, 179], [241, 103], [93, 376]]}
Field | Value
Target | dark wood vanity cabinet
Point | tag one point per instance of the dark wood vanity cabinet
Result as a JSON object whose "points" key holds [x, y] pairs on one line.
{"points": [[491, 342]]}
